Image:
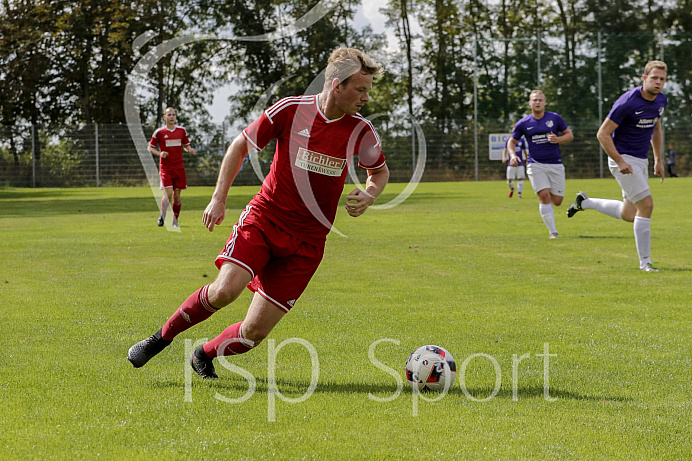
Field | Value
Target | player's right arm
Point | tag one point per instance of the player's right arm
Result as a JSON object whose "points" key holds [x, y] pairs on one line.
{"points": [[230, 166], [511, 149], [605, 137], [504, 155], [657, 145], [152, 150]]}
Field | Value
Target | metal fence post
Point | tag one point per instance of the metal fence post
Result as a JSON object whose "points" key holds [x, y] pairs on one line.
{"points": [[663, 127], [96, 139], [600, 103], [33, 156], [475, 103]]}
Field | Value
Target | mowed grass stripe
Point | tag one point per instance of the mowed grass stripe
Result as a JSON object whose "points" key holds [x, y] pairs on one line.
{"points": [[86, 273]]}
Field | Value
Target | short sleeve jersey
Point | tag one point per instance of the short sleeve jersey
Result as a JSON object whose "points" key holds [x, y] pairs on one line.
{"points": [[301, 193], [536, 133], [171, 141], [636, 118], [518, 150]]}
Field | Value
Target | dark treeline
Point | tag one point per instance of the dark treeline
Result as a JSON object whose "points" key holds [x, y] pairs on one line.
{"points": [[67, 63]]}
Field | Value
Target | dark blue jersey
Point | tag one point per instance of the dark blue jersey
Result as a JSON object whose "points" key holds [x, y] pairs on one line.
{"points": [[636, 118], [536, 133]]}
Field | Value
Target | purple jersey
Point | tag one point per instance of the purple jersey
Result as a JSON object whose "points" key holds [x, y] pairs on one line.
{"points": [[536, 133], [636, 118], [518, 149]]}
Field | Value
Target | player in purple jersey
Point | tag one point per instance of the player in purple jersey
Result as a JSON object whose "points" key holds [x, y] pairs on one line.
{"points": [[516, 172], [544, 132], [633, 123]]}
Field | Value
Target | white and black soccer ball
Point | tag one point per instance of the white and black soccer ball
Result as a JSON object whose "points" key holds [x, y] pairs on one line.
{"points": [[426, 370]]}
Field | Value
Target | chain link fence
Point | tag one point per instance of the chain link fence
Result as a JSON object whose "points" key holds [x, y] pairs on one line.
{"points": [[105, 155]]}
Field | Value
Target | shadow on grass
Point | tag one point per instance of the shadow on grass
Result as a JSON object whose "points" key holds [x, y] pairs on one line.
{"points": [[100, 205], [619, 237], [19, 194], [293, 389]]}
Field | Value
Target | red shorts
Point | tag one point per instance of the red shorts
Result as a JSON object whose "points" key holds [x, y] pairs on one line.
{"points": [[174, 178], [280, 264]]}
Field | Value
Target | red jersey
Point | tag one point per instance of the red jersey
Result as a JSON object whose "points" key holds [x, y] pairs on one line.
{"points": [[171, 141], [301, 193]]}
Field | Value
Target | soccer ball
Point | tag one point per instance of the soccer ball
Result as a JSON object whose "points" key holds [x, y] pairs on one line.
{"points": [[426, 370]]}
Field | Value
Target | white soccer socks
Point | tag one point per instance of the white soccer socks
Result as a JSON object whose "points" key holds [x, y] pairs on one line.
{"points": [[642, 238], [612, 208], [548, 215], [520, 186]]}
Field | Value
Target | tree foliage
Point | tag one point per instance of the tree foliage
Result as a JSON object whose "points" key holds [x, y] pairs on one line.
{"points": [[68, 63]]}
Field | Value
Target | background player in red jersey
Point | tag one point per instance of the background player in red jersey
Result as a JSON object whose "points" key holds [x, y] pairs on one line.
{"points": [[278, 242], [171, 140]]}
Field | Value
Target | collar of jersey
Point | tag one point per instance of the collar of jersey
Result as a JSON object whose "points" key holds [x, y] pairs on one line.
{"points": [[326, 120]]}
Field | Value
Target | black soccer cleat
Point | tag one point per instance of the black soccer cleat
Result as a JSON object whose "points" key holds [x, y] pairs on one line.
{"points": [[576, 206], [203, 365], [160, 221], [143, 351]]}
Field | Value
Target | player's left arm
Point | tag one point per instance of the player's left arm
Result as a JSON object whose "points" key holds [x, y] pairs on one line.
{"points": [[511, 150], [566, 136], [657, 145], [189, 149], [358, 200]]}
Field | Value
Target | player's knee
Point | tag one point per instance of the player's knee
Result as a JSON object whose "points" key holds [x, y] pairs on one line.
{"points": [[223, 295], [645, 207], [255, 332]]}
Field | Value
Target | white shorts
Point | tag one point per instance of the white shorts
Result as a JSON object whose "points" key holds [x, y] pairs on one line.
{"points": [[634, 186], [515, 172], [547, 176]]}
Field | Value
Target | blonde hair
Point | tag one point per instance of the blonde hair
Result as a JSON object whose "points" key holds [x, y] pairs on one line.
{"points": [[651, 65], [344, 62], [167, 109], [535, 92]]}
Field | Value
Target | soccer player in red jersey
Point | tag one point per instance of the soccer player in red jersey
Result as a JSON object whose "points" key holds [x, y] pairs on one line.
{"points": [[278, 242], [171, 140]]}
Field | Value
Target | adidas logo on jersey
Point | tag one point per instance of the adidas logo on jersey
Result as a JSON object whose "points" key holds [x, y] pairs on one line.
{"points": [[291, 302], [305, 133]]}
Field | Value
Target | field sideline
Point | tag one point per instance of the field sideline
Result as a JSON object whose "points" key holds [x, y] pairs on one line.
{"points": [[567, 350]]}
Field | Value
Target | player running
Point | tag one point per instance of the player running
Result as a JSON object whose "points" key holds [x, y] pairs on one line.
{"points": [[278, 242], [545, 169], [516, 173], [633, 123], [171, 139]]}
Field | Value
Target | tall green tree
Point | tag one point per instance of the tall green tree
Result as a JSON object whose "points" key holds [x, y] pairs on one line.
{"points": [[26, 61]]}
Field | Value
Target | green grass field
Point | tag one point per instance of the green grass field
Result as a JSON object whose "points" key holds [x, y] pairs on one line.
{"points": [[86, 273]]}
